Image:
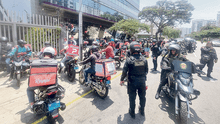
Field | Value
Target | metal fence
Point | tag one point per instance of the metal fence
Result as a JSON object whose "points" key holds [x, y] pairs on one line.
{"points": [[35, 29]]}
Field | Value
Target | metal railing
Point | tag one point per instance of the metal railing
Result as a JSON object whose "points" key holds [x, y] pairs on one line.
{"points": [[35, 29]]}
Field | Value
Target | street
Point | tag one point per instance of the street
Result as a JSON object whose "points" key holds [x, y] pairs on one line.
{"points": [[85, 107]]}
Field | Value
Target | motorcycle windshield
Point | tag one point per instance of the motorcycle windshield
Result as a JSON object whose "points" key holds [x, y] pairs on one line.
{"points": [[182, 66]]}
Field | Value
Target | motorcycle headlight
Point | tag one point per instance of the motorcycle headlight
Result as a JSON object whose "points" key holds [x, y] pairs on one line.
{"points": [[18, 63], [185, 81]]}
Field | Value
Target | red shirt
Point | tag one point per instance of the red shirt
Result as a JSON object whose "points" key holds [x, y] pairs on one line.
{"points": [[109, 52]]}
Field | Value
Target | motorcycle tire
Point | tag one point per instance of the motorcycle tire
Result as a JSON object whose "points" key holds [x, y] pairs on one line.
{"points": [[18, 77], [118, 64], [81, 77], [50, 119], [71, 74], [183, 113], [101, 94]]}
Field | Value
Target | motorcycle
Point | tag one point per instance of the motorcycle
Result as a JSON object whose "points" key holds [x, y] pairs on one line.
{"points": [[70, 65], [48, 94], [19, 65], [120, 56], [100, 83], [180, 87]]}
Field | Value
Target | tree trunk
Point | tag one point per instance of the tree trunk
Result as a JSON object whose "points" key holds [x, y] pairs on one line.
{"points": [[157, 35]]}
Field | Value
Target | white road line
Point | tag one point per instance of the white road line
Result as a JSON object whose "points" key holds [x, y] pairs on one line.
{"points": [[194, 54]]}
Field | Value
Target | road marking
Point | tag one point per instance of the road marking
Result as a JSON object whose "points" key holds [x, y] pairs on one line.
{"points": [[194, 54], [45, 117]]}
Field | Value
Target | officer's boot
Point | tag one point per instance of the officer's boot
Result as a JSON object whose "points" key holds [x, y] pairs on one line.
{"points": [[131, 112], [141, 111], [209, 75]]}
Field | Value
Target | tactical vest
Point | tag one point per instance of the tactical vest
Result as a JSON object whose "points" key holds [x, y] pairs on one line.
{"points": [[137, 67]]}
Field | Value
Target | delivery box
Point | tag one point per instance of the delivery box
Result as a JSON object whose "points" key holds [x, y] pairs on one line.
{"points": [[105, 67]]}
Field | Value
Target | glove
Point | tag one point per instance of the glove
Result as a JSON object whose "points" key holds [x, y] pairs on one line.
{"points": [[216, 60]]}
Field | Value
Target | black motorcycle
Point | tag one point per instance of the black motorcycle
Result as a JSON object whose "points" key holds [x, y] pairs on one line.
{"points": [[47, 101], [19, 65], [180, 87]]}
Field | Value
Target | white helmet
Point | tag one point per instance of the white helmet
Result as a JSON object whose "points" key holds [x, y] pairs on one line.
{"points": [[95, 43], [49, 51]]}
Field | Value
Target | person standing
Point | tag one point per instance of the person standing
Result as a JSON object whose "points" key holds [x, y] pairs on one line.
{"points": [[208, 56], [136, 67], [5, 49], [155, 53]]}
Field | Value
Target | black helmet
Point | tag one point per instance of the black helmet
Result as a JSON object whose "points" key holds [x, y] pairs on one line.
{"points": [[154, 40], [174, 47], [21, 42], [135, 47], [3, 39], [47, 44], [95, 49]]}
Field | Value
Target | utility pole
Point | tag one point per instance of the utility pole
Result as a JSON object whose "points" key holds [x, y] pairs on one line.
{"points": [[80, 31]]}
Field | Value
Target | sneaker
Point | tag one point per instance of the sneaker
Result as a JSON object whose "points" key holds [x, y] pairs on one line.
{"points": [[131, 114]]}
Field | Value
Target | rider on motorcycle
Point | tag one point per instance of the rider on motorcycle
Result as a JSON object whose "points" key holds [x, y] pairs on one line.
{"points": [[109, 51], [172, 54], [48, 44], [94, 55], [5, 49], [48, 53], [18, 51]]}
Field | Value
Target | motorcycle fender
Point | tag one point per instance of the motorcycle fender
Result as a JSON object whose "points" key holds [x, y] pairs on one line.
{"points": [[18, 72], [182, 98]]}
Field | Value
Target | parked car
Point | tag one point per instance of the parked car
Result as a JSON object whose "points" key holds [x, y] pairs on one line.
{"points": [[216, 43]]}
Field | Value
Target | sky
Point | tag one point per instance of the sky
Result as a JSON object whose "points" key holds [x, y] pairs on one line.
{"points": [[204, 9]]}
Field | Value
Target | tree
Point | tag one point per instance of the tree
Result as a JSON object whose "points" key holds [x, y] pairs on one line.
{"points": [[129, 27], [171, 33], [167, 13], [207, 32]]}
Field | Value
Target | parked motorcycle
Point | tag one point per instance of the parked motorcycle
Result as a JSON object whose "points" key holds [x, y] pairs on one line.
{"points": [[100, 81], [48, 94], [120, 56], [180, 87]]}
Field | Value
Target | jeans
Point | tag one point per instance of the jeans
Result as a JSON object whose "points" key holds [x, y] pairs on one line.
{"points": [[86, 72], [7, 61], [30, 94], [155, 63]]}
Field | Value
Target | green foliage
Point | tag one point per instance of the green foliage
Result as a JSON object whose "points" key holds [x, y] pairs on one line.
{"points": [[129, 27], [167, 13], [207, 32], [37, 36], [171, 33]]}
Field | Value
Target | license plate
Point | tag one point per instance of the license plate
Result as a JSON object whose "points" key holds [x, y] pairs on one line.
{"points": [[53, 105], [108, 82], [76, 67]]}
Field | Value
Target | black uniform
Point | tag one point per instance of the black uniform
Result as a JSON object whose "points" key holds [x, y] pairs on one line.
{"points": [[208, 55], [166, 68], [155, 53], [137, 68]]}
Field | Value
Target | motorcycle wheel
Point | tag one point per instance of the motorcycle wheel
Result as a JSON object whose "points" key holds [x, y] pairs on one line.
{"points": [[118, 64], [18, 77], [50, 119], [183, 113], [81, 77], [71, 74], [104, 92]]}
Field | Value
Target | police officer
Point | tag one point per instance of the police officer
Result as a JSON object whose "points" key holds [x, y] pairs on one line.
{"points": [[155, 53], [208, 56], [5, 49], [137, 68], [173, 54]]}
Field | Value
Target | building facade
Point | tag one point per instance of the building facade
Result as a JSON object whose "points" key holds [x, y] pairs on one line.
{"points": [[218, 19]]}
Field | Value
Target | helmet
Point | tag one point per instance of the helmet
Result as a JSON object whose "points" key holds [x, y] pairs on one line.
{"points": [[47, 44], [135, 47], [154, 40], [105, 44], [21, 42], [116, 40], [95, 49], [95, 43], [209, 44], [3, 39], [174, 47], [49, 51]]}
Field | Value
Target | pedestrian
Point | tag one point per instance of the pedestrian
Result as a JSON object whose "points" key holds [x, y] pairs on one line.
{"points": [[155, 53], [208, 56], [136, 67]]}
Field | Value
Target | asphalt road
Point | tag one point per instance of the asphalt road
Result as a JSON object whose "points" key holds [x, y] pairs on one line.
{"points": [[85, 107]]}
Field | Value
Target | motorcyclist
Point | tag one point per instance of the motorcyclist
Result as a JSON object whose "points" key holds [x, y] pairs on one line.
{"points": [[48, 44], [94, 43], [173, 54], [109, 51], [155, 53], [94, 55], [5, 49], [48, 53], [136, 67], [20, 50], [208, 56]]}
